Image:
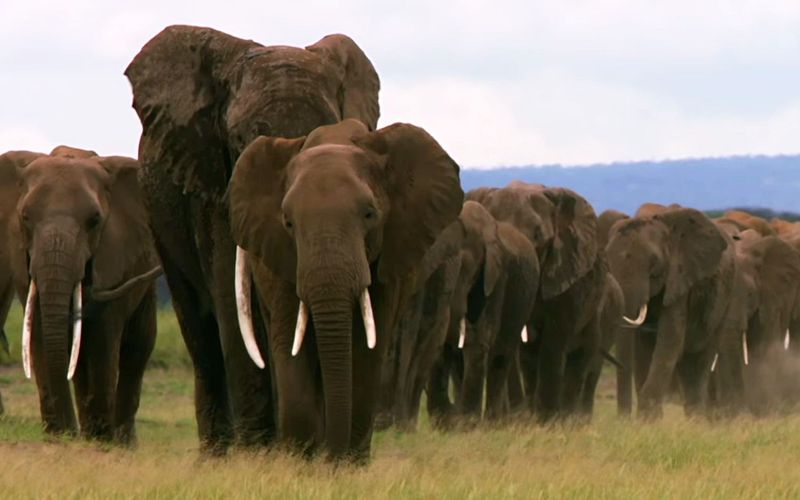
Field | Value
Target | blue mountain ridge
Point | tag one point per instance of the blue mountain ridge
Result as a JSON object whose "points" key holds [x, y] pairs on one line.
{"points": [[771, 182]]}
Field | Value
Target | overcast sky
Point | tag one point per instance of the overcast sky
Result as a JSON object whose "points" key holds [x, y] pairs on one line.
{"points": [[497, 83]]}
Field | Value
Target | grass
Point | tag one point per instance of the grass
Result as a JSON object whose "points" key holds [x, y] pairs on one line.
{"points": [[611, 458]]}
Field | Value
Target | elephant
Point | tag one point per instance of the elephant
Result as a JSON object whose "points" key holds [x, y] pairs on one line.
{"points": [[677, 271], [418, 341], [566, 337], [333, 227], [782, 227], [202, 96], [496, 287], [771, 270], [751, 221], [82, 260]]}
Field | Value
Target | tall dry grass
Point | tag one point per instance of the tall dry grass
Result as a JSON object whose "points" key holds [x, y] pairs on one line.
{"points": [[610, 458]]}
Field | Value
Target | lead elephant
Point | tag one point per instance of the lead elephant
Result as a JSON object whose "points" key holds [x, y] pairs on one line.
{"points": [[677, 271], [202, 96], [565, 336], [336, 225], [83, 263]]}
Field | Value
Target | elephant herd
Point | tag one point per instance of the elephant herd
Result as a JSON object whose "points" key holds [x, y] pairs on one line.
{"points": [[326, 273]]}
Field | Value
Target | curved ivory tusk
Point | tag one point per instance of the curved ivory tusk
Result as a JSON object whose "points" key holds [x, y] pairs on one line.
{"points": [[462, 333], [77, 328], [27, 328], [241, 286], [300, 328], [744, 349], [639, 320], [524, 334], [369, 319], [786, 341], [714, 363]]}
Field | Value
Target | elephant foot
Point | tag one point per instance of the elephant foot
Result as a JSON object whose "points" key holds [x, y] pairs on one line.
{"points": [[383, 421], [649, 410]]}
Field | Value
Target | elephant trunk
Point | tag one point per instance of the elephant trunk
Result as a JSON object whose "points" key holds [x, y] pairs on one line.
{"points": [[55, 270], [333, 326], [55, 294]]}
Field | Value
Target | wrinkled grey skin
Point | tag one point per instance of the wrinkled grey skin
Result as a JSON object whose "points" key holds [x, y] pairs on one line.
{"points": [[202, 96], [683, 267]]}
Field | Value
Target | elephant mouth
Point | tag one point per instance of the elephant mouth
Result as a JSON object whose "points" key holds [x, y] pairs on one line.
{"points": [[243, 289]]}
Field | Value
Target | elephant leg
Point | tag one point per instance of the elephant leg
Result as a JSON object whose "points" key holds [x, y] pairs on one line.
{"points": [[299, 407], [201, 336], [668, 349], [475, 364], [575, 372], [551, 364], [138, 341], [516, 394], [95, 382], [643, 347], [249, 387], [693, 371], [438, 387], [590, 389], [497, 376], [529, 370]]}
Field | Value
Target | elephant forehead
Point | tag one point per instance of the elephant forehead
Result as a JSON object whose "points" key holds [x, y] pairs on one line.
{"points": [[65, 172], [329, 169]]}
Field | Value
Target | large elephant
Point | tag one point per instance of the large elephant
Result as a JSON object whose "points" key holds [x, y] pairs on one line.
{"points": [[83, 263], [677, 269], [565, 335], [202, 96], [335, 226]]}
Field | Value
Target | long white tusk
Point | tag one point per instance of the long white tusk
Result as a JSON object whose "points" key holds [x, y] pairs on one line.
{"points": [[77, 328], [27, 328], [786, 341], [369, 319], [462, 333], [524, 334], [714, 363], [241, 286], [744, 349], [300, 328], [639, 320]]}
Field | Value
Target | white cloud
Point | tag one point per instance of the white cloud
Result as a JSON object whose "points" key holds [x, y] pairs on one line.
{"points": [[506, 82]]}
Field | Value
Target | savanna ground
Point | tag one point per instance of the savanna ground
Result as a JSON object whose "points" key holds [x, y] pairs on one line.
{"points": [[610, 458]]}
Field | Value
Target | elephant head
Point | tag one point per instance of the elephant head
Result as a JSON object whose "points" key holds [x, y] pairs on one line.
{"points": [[202, 96], [606, 221], [561, 224], [751, 221], [340, 214], [668, 252], [76, 223]]}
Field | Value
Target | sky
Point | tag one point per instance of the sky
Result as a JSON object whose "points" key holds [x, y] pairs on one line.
{"points": [[496, 83]]}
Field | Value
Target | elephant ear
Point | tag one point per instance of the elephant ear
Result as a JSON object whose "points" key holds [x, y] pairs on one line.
{"points": [[574, 248], [605, 222], [447, 245], [480, 195], [179, 95], [358, 93], [493, 262], [779, 270], [11, 163], [424, 189], [696, 248], [126, 237], [255, 194]]}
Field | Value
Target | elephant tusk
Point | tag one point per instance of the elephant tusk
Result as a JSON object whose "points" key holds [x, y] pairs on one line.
{"points": [[714, 363], [27, 328], [786, 340], [369, 319], [524, 334], [640, 319], [241, 286], [744, 349], [300, 328], [77, 329], [462, 333]]}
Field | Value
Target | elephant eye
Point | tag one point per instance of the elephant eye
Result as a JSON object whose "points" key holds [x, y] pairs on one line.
{"points": [[93, 221], [288, 224], [369, 215]]}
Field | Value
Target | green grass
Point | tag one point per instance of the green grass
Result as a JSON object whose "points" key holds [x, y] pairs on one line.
{"points": [[610, 458]]}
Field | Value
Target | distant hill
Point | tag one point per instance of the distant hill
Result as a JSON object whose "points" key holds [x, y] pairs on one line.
{"points": [[766, 182]]}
